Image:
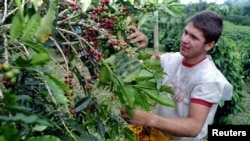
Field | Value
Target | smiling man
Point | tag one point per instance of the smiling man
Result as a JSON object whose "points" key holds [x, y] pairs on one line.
{"points": [[198, 85]]}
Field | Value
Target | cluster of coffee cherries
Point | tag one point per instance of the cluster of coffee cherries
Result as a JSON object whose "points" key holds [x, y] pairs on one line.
{"points": [[118, 44], [8, 74], [68, 78], [91, 59]]}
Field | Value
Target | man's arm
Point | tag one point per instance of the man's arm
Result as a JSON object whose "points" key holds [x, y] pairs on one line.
{"points": [[184, 127]]}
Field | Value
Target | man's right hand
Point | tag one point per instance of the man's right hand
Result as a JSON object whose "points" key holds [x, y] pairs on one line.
{"points": [[137, 37]]}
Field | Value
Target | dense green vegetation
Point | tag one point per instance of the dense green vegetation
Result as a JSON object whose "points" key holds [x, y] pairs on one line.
{"points": [[65, 72]]}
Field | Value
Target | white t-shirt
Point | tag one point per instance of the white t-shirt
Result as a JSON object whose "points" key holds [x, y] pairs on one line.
{"points": [[202, 81]]}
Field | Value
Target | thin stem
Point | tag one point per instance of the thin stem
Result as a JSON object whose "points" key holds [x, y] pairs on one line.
{"points": [[5, 45], [64, 58]]}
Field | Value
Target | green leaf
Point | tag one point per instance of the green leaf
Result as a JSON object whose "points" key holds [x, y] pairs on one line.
{"points": [[100, 128], [104, 75], [38, 48], [39, 59], [123, 93], [159, 97], [131, 76], [9, 132], [177, 8], [45, 29], [56, 91], [19, 5], [167, 89], [31, 27], [143, 55], [146, 85], [144, 75], [44, 138], [129, 134], [170, 1], [83, 104], [59, 83], [130, 98], [9, 99], [39, 128], [141, 101], [142, 20], [28, 119], [110, 60], [152, 64], [16, 27], [168, 12]]}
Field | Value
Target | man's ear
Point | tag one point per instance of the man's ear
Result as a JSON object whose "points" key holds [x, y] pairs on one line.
{"points": [[209, 45]]}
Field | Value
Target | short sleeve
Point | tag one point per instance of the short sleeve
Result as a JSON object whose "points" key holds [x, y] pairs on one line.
{"points": [[213, 91]]}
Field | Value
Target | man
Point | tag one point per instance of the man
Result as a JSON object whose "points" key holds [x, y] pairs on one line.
{"points": [[198, 85]]}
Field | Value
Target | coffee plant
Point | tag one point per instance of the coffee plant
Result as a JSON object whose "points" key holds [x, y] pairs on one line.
{"points": [[56, 57]]}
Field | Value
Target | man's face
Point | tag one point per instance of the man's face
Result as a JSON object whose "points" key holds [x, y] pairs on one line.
{"points": [[192, 46]]}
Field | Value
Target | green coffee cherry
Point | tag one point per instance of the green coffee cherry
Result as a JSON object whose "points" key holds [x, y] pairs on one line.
{"points": [[6, 66], [9, 74], [15, 71]]}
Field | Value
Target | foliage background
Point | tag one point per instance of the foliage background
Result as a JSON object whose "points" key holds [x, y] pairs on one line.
{"points": [[56, 94]]}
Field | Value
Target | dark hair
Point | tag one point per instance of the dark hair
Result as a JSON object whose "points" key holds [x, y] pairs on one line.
{"points": [[210, 23]]}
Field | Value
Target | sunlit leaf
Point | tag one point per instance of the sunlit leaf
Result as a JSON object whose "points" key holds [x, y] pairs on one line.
{"points": [[131, 76], [36, 46], [166, 89], [59, 83], [146, 85], [57, 92], [31, 27], [104, 75], [141, 101], [39, 128], [144, 75], [39, 59], [159, 97], [142, 20], [130, 98], [16, 27], [45, 29]]}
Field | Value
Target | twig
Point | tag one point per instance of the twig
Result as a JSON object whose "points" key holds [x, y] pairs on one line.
{"points": [[73, 33], [25, 49], [67, 41], [54, 60], [79, 37], [5, 45], [67, 128], [50, 93], [6, 15], [5, 12], [59, 48]]}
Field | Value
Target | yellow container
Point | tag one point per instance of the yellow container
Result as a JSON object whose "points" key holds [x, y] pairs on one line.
{"points": [[148, 134]]}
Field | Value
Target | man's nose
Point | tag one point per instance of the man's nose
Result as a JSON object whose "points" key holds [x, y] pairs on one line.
{"points": [[185, 39]]}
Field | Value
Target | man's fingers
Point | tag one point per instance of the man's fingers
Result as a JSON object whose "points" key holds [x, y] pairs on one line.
{"points": [[142, 45], [133, 28]]}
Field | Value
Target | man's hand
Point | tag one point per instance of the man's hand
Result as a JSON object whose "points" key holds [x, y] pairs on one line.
{"points": [[138, 37], [140, 117]]}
